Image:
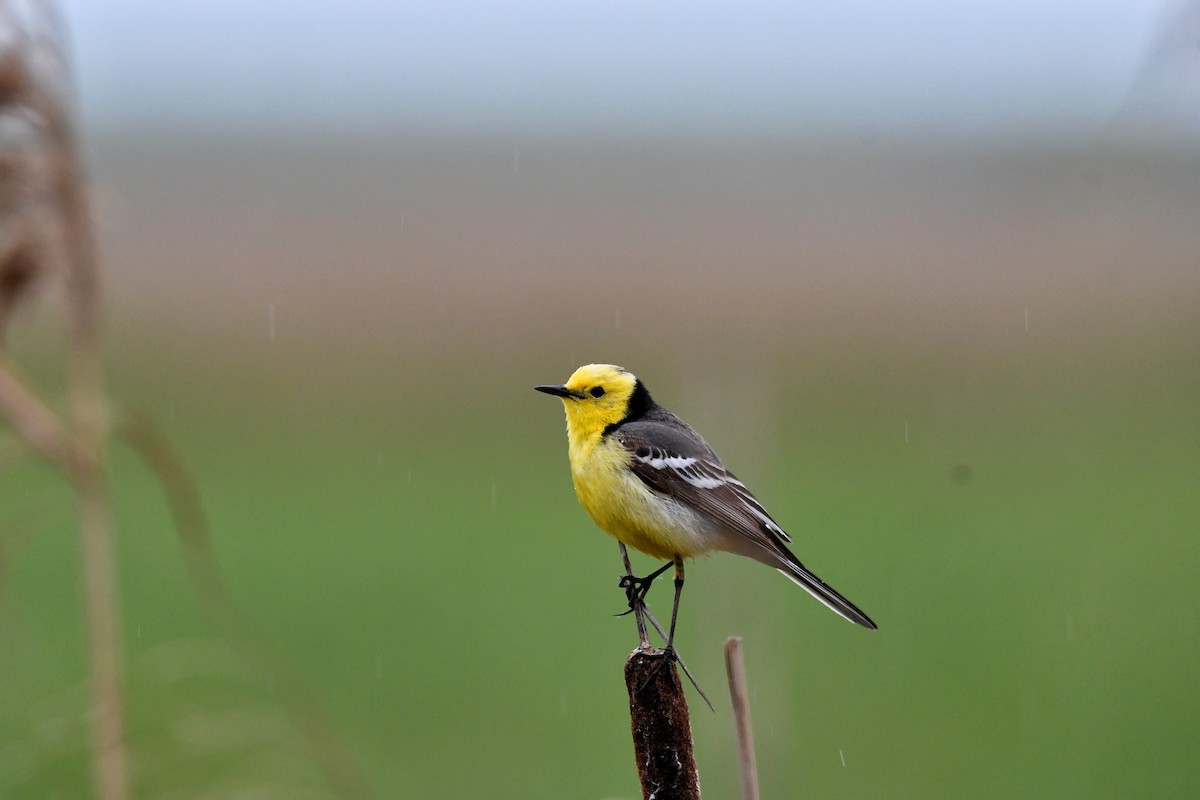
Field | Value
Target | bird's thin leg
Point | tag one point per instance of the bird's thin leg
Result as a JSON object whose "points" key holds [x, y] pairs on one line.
{"points": [[668, 653], [643, 636], [678, 658], [641, 610]]}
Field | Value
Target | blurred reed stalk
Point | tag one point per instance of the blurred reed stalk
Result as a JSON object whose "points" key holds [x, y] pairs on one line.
{"points": [[739, 695], [47, 234], [328, 749]]}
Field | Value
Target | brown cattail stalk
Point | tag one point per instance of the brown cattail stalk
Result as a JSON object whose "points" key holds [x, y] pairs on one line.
{"points": [[662, 728]]}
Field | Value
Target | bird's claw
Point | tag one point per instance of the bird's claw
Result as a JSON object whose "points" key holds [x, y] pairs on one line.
{"points": [[667, 656], [636, 589], [635, 592]]}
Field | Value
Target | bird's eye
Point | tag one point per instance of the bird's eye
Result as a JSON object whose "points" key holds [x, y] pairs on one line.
{"points": [[597, 391]]}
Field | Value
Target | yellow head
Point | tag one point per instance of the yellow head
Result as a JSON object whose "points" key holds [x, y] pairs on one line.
{"points": [[595, 397]]}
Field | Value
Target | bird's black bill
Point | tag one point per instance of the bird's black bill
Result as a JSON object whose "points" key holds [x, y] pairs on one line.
{"points": [[557, 391]]}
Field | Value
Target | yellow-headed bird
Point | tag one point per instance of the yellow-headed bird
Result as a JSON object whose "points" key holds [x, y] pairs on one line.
{"points": [[650, 480]]}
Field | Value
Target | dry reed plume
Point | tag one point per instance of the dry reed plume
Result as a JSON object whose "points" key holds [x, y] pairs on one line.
{"points": [[48, 247]]}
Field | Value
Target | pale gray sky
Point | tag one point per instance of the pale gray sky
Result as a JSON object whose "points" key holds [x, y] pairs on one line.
{"points": [[618, 66]]}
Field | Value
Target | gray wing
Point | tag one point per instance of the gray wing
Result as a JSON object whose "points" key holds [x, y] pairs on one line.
{"points": [[671, 458]]}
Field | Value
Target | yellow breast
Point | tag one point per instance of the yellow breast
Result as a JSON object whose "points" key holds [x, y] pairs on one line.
{"points": [[624, 507]]}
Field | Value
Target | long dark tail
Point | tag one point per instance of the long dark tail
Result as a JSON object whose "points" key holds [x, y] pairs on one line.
{"points": [[802, 577]]}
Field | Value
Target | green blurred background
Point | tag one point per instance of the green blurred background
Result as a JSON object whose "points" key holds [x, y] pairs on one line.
{"points": [[965, 377]]}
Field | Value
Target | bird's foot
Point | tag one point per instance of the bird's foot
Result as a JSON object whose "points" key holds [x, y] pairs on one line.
{"points": [[668, 656], [671, 654], [636, 589], [635, 593]]}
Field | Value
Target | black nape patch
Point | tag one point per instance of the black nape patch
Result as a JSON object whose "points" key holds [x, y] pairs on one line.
{"points": [[639, 403]]}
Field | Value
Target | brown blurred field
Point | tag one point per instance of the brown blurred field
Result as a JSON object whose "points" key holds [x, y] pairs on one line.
{"points": [[431, 246]]}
